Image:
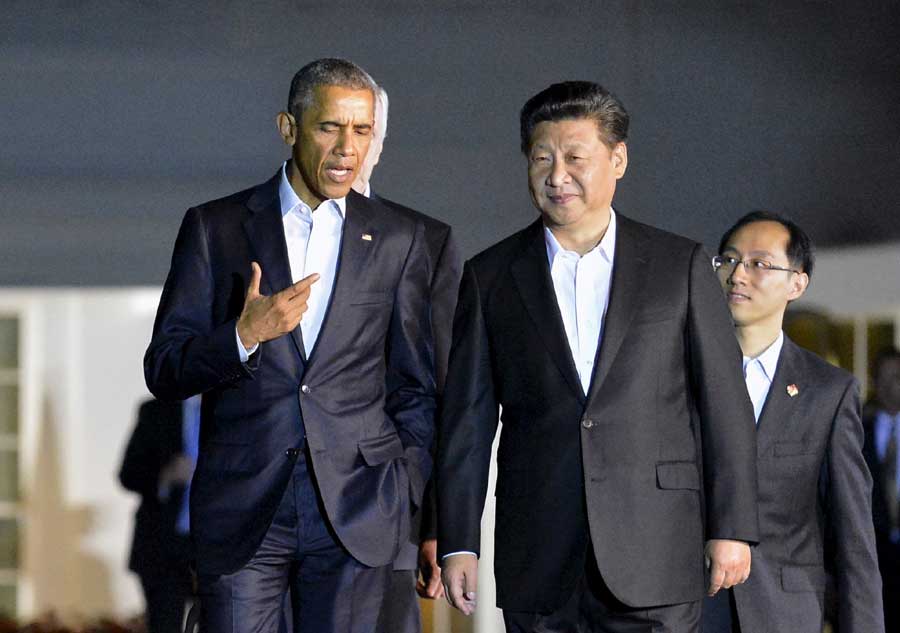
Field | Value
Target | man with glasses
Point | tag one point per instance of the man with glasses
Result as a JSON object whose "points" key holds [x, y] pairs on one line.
{"points": [[814, 487]]}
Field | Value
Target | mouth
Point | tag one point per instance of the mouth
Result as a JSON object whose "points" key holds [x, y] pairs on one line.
{"points": [[562, 198], [736, 297], [339, 174]]}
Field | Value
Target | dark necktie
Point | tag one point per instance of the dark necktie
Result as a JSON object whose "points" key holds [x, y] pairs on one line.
{"points": [[889, 478]]}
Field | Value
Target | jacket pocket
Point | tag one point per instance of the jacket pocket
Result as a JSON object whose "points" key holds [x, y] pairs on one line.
{"points": [[799, 578], [378, 450], [677, 476]]}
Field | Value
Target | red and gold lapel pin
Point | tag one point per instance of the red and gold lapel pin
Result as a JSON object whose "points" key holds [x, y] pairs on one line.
{"points": [[792, 390]]}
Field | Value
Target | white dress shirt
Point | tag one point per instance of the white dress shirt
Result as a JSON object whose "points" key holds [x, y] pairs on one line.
{"points": [[313, 240], [581, 284], [758, 374]]}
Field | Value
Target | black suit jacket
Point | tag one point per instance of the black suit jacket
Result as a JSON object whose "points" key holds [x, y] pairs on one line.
{"points": [[363, 401], [888, 551], [814, 505], [445, 270], [156, 551], [620, 468]]}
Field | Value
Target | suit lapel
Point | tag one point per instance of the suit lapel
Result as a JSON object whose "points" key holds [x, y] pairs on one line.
{"points": [[531, 273], [627, 274], [779, 407], [265, 229], [353, 258]]}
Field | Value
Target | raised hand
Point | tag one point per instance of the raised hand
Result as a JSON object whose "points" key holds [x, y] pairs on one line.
{"points": [[263, 317]]}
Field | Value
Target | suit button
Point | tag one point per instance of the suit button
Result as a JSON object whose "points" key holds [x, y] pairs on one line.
{"points": [[305, 389], [587, 423], [292, 452]]}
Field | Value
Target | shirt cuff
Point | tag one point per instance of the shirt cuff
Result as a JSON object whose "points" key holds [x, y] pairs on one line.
{"points": [[245, 353], [446, 556]]}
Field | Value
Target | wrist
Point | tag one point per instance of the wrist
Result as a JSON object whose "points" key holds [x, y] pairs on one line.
{"points": [[246, 336]]}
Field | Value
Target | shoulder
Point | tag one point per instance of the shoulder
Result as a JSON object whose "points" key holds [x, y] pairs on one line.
{"points": [[820, 372], [658, 242], [507, 250], [237, 204], [431, 224]]}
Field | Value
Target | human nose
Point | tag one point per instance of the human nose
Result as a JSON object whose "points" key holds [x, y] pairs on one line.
{"points": [[557, 176], [345, 145], [740, 273]]}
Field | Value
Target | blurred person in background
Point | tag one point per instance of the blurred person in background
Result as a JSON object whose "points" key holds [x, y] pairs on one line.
{"points": [[158, 465], [882, 423], [400, 613], [814, 486]]}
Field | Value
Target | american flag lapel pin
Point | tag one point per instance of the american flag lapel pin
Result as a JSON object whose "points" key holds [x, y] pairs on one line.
{"points": [[367, 237], [792, 390]]}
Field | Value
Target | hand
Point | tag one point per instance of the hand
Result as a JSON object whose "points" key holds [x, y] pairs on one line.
{"points": [[266, 317], [177, 472], [728, 563], [429, 587], [460, 577]]}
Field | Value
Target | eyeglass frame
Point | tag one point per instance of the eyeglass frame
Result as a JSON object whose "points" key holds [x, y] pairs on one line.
{"points": [[750, 265]]}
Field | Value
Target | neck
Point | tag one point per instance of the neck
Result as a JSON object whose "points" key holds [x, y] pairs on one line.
{"points": [[755, 339], [299, 186], [581, 237]]}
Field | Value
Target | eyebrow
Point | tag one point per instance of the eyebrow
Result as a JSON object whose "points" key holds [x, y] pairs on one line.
{"points": [[339, 124], [751, 253]]}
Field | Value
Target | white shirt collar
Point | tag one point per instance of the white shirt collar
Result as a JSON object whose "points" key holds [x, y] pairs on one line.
{"points": [[768, 360], [290, 200], [606, 247]]}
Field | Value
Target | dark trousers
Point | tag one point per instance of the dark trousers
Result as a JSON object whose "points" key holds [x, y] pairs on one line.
{"points": [[720, 614], [592, 608], [168, 588], [166, 597], [330, 591], [400, 611]]}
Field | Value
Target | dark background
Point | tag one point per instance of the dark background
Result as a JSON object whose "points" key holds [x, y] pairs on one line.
{"points": [[117, 116]]}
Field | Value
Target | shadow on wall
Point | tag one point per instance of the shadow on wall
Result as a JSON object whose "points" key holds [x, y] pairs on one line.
{"points": [[64, 577]]}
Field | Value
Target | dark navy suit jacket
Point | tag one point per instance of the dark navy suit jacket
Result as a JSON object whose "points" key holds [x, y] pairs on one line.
{"points": [[363, 402]]}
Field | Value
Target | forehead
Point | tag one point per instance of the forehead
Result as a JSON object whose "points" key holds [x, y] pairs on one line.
{"points": [[342, 102], [566, 132], [761, 237]]}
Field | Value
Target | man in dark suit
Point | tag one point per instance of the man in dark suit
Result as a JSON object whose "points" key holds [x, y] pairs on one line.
{"points": [[814, 487], [881, 420], [608, 346], [316, 370], [400, 612], [158, 465]]}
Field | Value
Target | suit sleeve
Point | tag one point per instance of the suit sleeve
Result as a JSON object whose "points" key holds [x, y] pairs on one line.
{"points": [[467, 425], [142, 462], [188, 353], [727, 428], [410, 400], [444, 292], [847, 503]]}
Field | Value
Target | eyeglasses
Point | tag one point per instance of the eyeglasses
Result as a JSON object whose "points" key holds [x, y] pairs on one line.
{"points": [[728, 263]]}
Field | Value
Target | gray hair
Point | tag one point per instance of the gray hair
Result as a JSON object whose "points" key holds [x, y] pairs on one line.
{"points": [[328, 71], [381, 112]]}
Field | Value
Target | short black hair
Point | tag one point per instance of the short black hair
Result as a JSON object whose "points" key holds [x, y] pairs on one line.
{"points": [[328, 71], [883, 356], [576, 100], [800, 250]]}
